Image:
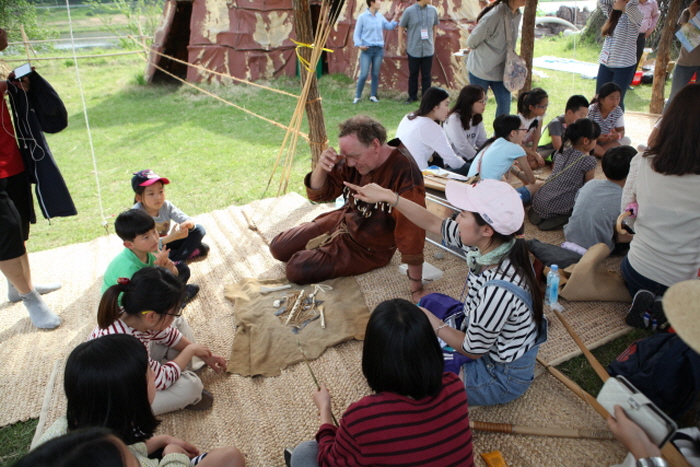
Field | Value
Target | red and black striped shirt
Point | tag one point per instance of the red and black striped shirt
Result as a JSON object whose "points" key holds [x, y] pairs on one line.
{"points": [[390, 429]]}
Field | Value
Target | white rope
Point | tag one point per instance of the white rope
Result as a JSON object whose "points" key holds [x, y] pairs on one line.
{"points": [[87, 120]]}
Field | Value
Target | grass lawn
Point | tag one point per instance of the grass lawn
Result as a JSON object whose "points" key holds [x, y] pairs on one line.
{"points": [[215, 155]]}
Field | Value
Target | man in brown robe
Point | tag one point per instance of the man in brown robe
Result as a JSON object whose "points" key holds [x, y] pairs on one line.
{"points": [[358, 237]]}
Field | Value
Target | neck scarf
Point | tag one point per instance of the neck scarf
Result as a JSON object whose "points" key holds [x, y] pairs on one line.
{"points": [[476, 259]]}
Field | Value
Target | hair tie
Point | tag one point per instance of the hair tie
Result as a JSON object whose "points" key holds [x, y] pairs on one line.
{"points": [[123, 281]]}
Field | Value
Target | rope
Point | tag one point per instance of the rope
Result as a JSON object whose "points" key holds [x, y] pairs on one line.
{"points": [[199, 67], [87, 120], [272, 122]]}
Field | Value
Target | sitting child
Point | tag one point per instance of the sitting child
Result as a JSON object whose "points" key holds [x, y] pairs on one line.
{"points": [[576, 107], [151, 311], [138, 231], [532, 105], [185, 238], [464, 126], [552, 204], [597, 204], [605, 110], [109, 384], [503, 153]]}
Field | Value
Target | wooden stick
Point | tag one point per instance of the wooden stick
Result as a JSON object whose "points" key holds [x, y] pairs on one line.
{"points": [[318, 386], [669, 451], [539, 431], [600, 371]]}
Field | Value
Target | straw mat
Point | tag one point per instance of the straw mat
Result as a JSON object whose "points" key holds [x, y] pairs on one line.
{"points": [[264, 415]]}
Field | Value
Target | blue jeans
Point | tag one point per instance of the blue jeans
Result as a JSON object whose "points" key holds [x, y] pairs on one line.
{"points": [[620, 76], [525, 195], [370, 57], [681, 77], [489, 382], [305, 454], [635, 281], [500, 92]]}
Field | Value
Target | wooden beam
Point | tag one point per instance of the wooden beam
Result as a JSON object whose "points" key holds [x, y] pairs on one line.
{"points": [[656, 106], [527, 40]]}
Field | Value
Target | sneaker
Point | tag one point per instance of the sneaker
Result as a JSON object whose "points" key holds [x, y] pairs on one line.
{"points": [[205, 402], [191, 291], [639, 314], [374, 99], [356, 100], [409, 101], [658, 316], [288, 457], [200, 252]]}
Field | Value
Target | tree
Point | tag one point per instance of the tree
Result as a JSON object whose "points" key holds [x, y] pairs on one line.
{"points": [[14, 13]]}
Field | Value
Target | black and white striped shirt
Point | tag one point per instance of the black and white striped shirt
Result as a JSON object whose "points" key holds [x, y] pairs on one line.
{"points": [[620, 49], [497, 322]]}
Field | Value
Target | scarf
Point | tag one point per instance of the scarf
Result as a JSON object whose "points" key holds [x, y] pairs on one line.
{"points": [[476, 259]]}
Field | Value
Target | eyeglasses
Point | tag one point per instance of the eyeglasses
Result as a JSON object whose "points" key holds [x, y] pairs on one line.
{"points": [[523, 129], [177, 315]]}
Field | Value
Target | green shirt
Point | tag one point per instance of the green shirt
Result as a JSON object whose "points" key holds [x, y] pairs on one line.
{"points": [[125, 264]]}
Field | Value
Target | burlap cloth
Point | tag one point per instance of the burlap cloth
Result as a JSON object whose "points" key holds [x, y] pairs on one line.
{"points": [[264, 346]]}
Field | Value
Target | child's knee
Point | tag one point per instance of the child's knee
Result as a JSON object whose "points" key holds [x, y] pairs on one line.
{"points": [[229, 456]]}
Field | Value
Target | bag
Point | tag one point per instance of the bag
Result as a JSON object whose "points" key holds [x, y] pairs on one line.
{"points": [[656, 424], [515, 72], [664, 368]]}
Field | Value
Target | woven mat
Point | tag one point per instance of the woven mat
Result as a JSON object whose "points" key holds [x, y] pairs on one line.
{"points": [[264, 415]]}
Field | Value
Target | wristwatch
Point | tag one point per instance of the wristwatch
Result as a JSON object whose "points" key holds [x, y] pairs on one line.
{"points": [[652, 462]]}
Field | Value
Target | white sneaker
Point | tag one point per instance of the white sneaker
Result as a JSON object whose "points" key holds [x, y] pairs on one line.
{"points": [[374, 99], [356, 100]]}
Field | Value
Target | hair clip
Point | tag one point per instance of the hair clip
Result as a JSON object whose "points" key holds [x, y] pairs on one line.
{"points": [[521, 236], [123, 281]]}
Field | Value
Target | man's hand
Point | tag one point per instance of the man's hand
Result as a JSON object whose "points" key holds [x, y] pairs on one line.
{"points": [[693, 8], [326, 163], [363, 48]]}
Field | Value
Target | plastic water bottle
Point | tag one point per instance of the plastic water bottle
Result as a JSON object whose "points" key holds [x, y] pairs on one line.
{"points": [[552, 295]]}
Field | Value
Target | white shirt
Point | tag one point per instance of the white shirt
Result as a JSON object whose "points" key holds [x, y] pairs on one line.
{"points": [[422, 137], [464, 142]]}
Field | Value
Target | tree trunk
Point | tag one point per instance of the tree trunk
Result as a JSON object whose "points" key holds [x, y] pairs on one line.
{"points": [[662, 57], [527, 40], [318, 139]]}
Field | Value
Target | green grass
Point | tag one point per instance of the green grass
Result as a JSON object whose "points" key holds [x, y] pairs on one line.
{"points": [[15, 440]]}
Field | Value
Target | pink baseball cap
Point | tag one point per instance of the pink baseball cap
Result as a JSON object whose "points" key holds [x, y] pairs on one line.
{"points": [[146, 178], [496, 202]]}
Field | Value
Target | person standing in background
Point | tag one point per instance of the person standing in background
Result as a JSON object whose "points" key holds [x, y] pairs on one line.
{"points": [[486, 61], [688, 61], [650, 9], [618, 58], [419, 23], [369, 38]]}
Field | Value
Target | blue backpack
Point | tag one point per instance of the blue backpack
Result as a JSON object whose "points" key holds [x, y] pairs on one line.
{"points": [[664, 368]]}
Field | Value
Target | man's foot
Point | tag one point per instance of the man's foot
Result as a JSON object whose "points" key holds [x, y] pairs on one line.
{"points": [[356, 100], [409, 101], [201, 252], [14, 296], [374, 99], [39, 312], [639, 314], [191, 291], [205, 402]]}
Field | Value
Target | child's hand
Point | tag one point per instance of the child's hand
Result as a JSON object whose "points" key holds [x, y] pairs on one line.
{"points": [[216, 363], [322, 398], [180, 231], [162, 257], [188, 224], [189, 449], [199, 350]]}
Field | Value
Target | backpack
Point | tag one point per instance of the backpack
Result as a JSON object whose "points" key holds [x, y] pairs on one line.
{"points": [[664, 368]]}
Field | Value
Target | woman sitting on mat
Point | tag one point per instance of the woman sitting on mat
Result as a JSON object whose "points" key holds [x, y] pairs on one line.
{"points": [[422, 135], [109, 384], [416, 415], [500, 325]]}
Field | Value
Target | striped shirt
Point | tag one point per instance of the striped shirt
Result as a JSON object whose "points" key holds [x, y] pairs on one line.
{"points": [[615, 119], [496, 321], [620, 49], [165, 374], [390, 429]]}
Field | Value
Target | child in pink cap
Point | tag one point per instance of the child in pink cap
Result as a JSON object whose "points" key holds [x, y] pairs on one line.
{"points": [[497, 326]]}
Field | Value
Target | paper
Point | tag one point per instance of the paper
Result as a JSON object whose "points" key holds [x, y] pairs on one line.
{"points": [[689, 33]]}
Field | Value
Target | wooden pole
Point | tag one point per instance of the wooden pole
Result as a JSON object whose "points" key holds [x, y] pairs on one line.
{"points": [[318, 140], [656, 106], [527, 40], [600, 371], [27, 47], [539, 431]]}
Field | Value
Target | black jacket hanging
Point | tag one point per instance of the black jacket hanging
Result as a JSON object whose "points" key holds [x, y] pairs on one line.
{"points": [[35, 112]]}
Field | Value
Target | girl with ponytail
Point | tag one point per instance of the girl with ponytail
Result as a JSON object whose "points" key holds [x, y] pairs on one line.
{"points": [[573, 167], [150, 311], [498, 327]]}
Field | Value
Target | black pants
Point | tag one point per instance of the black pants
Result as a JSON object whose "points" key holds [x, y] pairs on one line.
{"points": [[417, 65], [641, 42]]}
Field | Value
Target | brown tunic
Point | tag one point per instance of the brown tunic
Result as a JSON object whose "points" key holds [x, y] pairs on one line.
{"points": [[363, 237]]}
